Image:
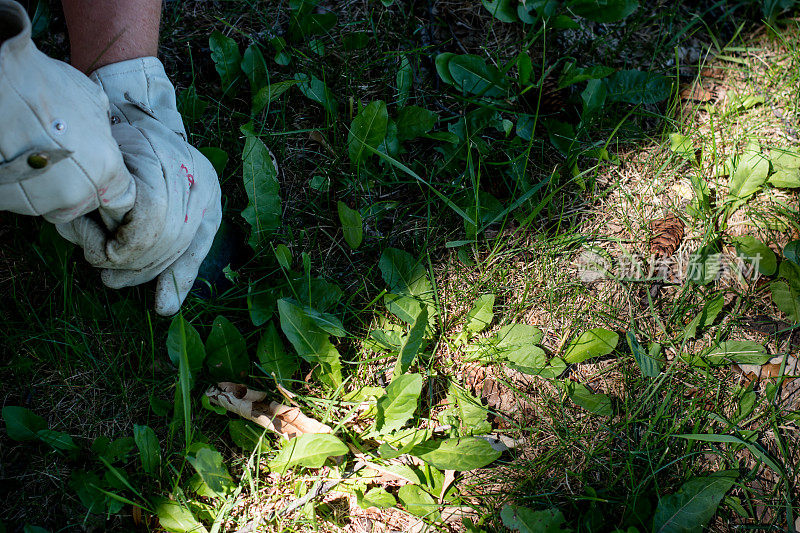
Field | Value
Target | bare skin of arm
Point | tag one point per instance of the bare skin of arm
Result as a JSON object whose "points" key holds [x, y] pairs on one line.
{"points": [[102, 32]]}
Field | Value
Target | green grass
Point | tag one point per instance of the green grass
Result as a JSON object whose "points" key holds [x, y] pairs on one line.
{"points": [[95, 363]]}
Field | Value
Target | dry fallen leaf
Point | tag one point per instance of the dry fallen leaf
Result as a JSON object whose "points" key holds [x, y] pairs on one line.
{"points": [[288, 421], [318, 138], [449, 477], [697, 92]]}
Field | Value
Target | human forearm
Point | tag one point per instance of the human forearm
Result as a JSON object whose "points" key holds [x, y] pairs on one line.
{"points": [[102, 32]]}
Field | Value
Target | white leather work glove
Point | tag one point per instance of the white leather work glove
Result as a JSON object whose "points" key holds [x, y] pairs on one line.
{"points": [[58, 158], [177, 210]]}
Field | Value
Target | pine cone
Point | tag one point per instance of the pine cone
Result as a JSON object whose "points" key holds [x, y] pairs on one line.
{"points": [[667, 234], [554, 100]]}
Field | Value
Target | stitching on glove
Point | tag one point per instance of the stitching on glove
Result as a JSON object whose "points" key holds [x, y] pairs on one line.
{"points": [[25, 195]]}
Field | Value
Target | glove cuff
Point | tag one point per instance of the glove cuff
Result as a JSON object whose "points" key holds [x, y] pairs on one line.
{"points": [[140, 85], [14, 26]]}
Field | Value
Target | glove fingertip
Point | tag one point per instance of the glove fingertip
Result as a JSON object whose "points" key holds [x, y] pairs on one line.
{"points": [[114, 279], [171, 291]]}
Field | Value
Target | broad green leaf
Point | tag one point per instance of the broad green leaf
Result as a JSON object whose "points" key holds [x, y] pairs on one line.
{"points": [[792, 252], [472, 75], [573, 74], [406, 276], [789, 269], [320, 294], [502, 10], [85, 484], [273, 356], [757, 253], [387, 339], [743, 102], [705, 265], [176, 518], [226, 351], [217, 156], [316, 90], [745, 352], [260, 177], [149, 448], [357, 40], [190, 105], [57, 439], [368, 129], [116, 450], [227, 59], [309, 24], [481, 314], [22, 424], [310, 341], [283, 55], [284, 256], [418, 502], [638, 87], [555, 368], [414, 121], [682, 145], [524, 68], [564, 22], [398, 405], [751, 171], [412, 344], [603, 10], [596, 342], [254, 67], [352, 225], [443, 68], [404, 80], [649, 365], [326, 322], [34, 529], [527, 520], [269, 93], [391, 144], [261, 302], [787, 299], [785, 178], [593, 402], [705, 317], [465, 453], [516, 335], [786, 164], [309, 450], [527, 358], [594, 96], [405, 308], [209, 464], [247, 435], [183, 338], [561, 135], [691, 508], [375, 497], [468, 409]]}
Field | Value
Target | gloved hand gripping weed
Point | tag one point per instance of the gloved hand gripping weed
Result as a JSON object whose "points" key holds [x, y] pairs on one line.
{"points": [[69, 146]]}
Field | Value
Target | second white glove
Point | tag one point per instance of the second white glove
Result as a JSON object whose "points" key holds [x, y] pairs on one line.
{"points": [[177, 210]]}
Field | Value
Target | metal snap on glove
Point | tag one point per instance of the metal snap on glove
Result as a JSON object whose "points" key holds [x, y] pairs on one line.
{"points": [[177, 210], [57, 156]]}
